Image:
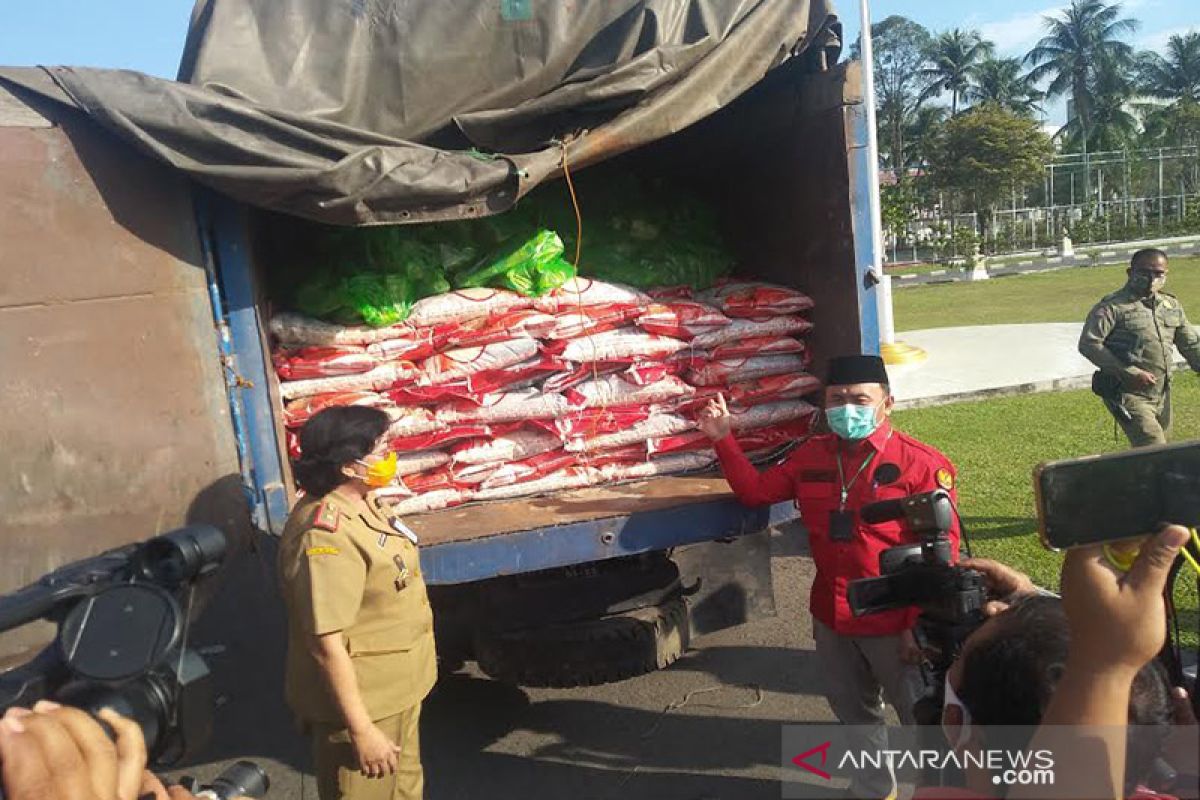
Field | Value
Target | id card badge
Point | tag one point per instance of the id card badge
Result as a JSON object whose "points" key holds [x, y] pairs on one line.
{"points": [[841, 526]]}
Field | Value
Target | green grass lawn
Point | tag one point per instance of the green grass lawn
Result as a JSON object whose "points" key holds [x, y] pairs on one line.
{"points": [[995, 445], [1062, 296]]}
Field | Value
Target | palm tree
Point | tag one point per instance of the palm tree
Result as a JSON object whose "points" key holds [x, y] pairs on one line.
{"points": [[953, 57], [920, 130], [1176, 77], [1114, 121], [1080, 44], [999, 81]]}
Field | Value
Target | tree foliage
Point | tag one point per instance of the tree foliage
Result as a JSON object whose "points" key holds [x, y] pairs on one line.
{"points": [[899, 46], [980, 155], [952, 59]]}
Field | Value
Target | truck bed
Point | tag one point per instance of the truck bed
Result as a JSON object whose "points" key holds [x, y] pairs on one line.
{"points": [[500, 517], [528, 534]]}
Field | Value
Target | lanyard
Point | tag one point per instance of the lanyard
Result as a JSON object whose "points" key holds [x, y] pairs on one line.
{"points": [[842, 475]]}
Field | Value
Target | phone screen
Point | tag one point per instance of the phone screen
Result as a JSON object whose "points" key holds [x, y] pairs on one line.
{"points": [[1118, 496]]}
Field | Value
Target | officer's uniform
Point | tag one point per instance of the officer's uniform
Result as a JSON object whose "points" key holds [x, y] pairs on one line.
{"points": [[1126, 332], [830, 480], [357, 573]]}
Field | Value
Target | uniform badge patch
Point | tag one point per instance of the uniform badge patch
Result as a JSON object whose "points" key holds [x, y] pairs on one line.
{"points": [[321, 551], [944, 478], [327, 518]]}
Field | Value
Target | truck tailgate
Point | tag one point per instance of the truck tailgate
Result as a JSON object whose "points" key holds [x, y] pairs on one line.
{"points": [[531, 533]]}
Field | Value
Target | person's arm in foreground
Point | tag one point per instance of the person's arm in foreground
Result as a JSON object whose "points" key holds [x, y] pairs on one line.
{"points": [[1118, 624]]}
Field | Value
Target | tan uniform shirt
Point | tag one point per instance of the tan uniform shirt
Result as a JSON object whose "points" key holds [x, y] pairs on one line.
{"points": [[1125, 333], [347, 570]]}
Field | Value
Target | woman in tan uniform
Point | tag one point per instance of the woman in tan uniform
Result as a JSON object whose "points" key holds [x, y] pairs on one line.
{"points": [[360, 630]]}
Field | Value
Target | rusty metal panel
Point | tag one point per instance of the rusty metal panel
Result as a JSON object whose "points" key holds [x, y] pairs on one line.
{"points": [[115, 419]]}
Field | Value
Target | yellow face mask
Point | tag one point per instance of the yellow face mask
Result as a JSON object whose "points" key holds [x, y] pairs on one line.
{"points": [[382, 471]]}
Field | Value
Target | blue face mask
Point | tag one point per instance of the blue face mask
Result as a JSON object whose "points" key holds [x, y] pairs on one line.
{"points": [[852, 422]]}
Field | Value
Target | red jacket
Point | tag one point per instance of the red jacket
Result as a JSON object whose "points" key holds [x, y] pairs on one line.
{"points": [[810, 475]]}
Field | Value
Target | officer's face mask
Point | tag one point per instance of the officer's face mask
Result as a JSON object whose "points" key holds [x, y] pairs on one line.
{"points": [[852, 421], [956, 735], [380, 469]]}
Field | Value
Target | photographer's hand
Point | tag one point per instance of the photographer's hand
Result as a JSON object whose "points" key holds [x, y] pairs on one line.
{"points": [[60, 753], [1117, 624], [1002, 582]]}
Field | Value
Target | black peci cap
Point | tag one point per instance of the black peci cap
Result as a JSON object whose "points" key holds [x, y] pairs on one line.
{"points": [[845, 370]]}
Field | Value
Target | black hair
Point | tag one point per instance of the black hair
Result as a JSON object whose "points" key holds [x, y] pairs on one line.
{"points": [[332, 439], [1009, 678], [1145, 254]]}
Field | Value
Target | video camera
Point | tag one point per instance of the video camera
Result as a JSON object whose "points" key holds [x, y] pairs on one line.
{"points": [[951, 598], [123, 620]]}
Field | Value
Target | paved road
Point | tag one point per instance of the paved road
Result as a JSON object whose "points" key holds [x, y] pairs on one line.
{"points": [[482, 739]]}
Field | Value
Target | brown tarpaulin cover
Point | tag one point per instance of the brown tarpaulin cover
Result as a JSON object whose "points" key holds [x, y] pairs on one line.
{"points": [[383, 111]]}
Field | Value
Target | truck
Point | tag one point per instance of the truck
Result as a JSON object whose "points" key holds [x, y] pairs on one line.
{"points": [[138, 391]]}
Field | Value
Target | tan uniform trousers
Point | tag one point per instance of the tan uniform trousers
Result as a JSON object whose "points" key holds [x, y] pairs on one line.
{"points": [[338, 775], [1150, 421]]}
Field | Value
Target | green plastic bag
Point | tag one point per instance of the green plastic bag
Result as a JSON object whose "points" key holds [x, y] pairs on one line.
{"points": [[531, 268], [380, 299]]}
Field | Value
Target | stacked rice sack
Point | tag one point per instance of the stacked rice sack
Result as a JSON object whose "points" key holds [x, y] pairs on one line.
{"points": [[495, 395]]}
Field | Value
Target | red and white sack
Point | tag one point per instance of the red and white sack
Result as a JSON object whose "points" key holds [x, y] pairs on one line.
{"points": [[530, 469], [421, 503], [569, 478], [615, 390], [573, 323], [689, 441], [758, 346], [772, 388], [644, 373], [668, 294], [664, 465], [757, 300], [523, 404], [525, 323], [462, 305], [298, 412], [773, 437], [514, 446], [588, 422], [579, 373], [770, 414], [627, 455], [450, 433], [743, 329], [682, 319], [578, 292], [385, 376], [735, 370], [411, 421], [417, 344], [296, 330], [618, 344], [653, 426], [410, 463], [322, 362], [455, 364]]}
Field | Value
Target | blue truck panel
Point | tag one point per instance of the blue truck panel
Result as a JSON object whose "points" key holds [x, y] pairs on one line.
{"points": [[595, 540]]}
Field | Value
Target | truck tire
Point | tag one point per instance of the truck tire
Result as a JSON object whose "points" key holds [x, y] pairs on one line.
{"points": [[590, 652]]}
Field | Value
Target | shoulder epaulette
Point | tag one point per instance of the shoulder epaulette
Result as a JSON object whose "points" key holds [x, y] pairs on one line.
{"points": [[327, 518]]}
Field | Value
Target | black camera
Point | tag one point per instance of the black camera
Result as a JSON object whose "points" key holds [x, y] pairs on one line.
{"points": [[122, 620], [951, 598]]}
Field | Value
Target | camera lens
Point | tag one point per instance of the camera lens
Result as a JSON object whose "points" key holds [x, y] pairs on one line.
{"points": [[242, 779]]}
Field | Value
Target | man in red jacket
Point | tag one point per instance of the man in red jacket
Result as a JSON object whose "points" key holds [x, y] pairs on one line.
{"points": [[830, 477]]}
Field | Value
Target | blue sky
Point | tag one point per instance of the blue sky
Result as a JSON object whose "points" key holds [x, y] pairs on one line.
{"points": [[147, 35]]}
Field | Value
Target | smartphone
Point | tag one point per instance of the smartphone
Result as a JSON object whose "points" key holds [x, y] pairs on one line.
{"points": [[1117, 496]]}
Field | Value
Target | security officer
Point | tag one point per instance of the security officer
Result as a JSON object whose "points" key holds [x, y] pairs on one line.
{"points": [[1131, 335], [360, 629], [831, 477]]}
